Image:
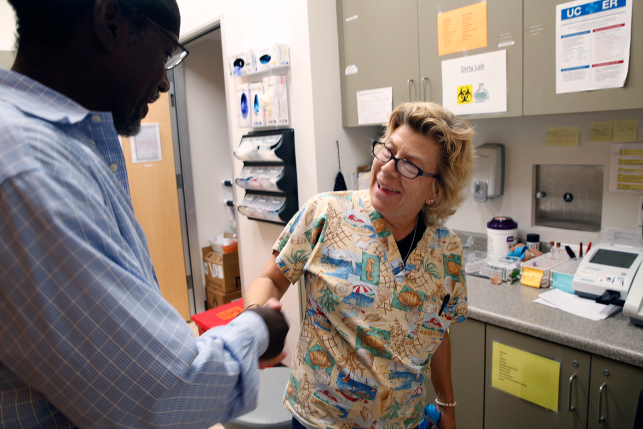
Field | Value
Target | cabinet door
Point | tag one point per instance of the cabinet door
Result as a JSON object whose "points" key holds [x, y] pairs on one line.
{"points": [[467, 373], [379, 39], [540, 96], [621, 389], [504, 25], [503, 410]]}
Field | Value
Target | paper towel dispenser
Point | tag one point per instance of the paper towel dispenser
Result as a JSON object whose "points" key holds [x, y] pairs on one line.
{"points": [[489, 174]]}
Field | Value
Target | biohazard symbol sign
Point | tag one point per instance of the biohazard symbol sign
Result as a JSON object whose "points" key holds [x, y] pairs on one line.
{"points": [[465, 94]]}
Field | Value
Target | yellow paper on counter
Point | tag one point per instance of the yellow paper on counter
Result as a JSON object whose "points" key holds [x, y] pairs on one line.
{"points": [[601, 131], [462, 29], [626, 130], [526, 375], [531, 276], [562, 136]]}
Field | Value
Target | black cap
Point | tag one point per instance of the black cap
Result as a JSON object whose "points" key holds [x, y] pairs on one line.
{"points": [[533, 238]]}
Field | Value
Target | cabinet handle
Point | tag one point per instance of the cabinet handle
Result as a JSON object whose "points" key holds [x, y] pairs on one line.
{"points": [[422, 89], [571, 385], [408, 87], [601, 419]]}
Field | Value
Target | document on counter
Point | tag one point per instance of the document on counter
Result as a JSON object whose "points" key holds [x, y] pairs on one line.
{"points": [[626, 168], [576, 305], [374, 106], [475, 84], [592, 44]]}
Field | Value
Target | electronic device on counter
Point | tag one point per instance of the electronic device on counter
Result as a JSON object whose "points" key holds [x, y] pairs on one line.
{"points": [[607, 273]]}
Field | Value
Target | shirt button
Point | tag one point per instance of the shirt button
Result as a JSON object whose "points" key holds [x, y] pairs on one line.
{"points": [[96, 119], [113, 167]]}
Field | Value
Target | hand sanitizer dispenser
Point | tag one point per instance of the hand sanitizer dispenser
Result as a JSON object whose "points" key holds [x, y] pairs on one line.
{"points": [[489, 174]]}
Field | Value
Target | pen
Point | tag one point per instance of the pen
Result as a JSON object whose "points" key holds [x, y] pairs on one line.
{"points": [[589, 246], [446, 299]]}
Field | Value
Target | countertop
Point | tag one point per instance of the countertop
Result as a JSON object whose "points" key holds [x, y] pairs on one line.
{"points": [[511, 306]]}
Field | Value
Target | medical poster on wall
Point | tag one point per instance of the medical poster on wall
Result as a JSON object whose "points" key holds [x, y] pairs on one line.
{"points": [[475, 84], [146, 145], [592, 44]]}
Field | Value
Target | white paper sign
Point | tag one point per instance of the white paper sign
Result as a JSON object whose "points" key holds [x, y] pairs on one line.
{"points": [[374, 106], [146, 145], [626, 168], [592, 44], [475, 84]]}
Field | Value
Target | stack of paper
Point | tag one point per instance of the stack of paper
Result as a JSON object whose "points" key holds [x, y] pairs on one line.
{"points": [[574, 304]]}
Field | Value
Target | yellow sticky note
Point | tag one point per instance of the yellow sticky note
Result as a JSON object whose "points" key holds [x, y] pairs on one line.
{"points": [[626, 130], [465, 94], [462, 29], [601, 131], [526, 375], [562, 136], [531, 276]]}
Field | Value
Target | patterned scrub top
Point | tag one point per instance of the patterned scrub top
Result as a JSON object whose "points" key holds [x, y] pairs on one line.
{"points": [[372, 323]]}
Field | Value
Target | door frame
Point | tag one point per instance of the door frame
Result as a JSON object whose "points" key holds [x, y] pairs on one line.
{"points": [[183, 163]]}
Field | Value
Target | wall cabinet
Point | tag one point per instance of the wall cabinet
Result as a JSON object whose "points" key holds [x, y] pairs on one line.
{"points": [[395, 44], [539, 85]]}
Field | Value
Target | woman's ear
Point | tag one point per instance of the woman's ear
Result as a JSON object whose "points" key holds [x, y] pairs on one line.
{"points": [[108, 23]]}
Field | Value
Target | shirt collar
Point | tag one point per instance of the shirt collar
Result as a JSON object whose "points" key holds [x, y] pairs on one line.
{"points": [[36, 99]]}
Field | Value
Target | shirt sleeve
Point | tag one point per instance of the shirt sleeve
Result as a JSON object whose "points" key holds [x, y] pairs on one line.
{"points": [[305, 230], [457, 309], [95, 339]]}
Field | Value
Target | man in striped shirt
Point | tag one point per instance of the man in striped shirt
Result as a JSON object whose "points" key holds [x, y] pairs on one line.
{"points": [[86, 339]]}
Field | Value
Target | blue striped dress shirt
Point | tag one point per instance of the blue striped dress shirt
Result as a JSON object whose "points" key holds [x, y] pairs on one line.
{"points": [[86, 339]]}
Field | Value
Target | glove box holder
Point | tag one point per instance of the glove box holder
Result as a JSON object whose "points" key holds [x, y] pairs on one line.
{"points": [[269, 176]]}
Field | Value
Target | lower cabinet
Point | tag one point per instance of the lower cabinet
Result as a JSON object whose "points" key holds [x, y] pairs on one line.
{"points": [[582, 378], [503, 410], [614, 394]]}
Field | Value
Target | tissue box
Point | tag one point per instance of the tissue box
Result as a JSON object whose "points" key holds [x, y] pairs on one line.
{"points": [[242, 64], [257, 112], [272, 57], [276, 100], [244, 105]]}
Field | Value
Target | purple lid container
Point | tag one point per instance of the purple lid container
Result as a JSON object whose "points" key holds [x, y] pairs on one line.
{"points": [[501, 222]]}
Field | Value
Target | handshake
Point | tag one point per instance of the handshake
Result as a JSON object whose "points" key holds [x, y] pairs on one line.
{"points": [[277, 331]]}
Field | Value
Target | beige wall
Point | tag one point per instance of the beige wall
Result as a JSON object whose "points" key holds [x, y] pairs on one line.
{"points": [[6, 59]]}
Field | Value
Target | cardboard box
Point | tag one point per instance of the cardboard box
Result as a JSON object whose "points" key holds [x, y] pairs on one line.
{"points": [[215, 298], [221, 270]]}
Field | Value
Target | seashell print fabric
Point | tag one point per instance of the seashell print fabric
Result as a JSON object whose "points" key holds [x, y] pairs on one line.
{"points": [[371, 322]]}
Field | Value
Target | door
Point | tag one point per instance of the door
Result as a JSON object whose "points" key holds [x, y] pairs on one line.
{"points": [[153, 186], [503, 410], [504, 31], [621, 385], [540, 96], [380, 49], [467, 373]]}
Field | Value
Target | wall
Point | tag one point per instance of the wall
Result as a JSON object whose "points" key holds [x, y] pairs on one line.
{"points": [[209, 138], [7, 26], [524, 139]]}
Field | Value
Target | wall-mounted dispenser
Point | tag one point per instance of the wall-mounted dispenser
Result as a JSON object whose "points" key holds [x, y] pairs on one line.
{"points": [[269, 175], [489, 174]]}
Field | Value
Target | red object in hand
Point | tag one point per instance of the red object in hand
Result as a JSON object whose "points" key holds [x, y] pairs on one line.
{"points": [[218, 316]]}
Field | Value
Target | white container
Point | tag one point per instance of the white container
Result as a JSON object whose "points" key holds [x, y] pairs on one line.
{"points": [[275, 100], [502, 235]]}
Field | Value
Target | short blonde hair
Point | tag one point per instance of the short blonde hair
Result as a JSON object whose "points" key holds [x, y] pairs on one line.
{"points": [[455, 162]]}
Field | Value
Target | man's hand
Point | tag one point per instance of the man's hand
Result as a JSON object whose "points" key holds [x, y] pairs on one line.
{"points": [[277, 330]]}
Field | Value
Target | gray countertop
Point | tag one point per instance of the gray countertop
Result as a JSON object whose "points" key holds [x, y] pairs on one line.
{"points": [[511, 306]]}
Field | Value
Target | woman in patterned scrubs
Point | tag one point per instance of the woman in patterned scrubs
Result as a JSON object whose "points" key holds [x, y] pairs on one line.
{"points": [[383, 278]]}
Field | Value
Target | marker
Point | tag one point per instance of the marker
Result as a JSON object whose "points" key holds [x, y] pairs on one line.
{"points": [[570, 252], [589, 246], [446, 299], [580, 254]]}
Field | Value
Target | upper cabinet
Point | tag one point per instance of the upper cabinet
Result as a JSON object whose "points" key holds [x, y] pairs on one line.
{"points": [[504, 32], [539, 85], [385, 43], [380, 49]]}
